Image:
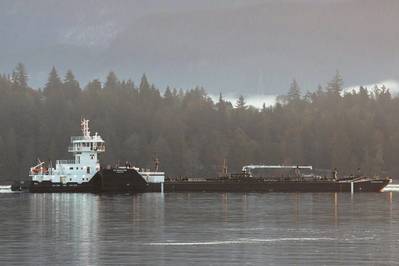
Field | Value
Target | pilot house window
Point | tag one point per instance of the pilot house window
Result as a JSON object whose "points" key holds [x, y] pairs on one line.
{"points": [[88, 170]]}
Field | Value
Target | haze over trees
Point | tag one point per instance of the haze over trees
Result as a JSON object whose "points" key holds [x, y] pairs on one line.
{"points": [[191, 134]]}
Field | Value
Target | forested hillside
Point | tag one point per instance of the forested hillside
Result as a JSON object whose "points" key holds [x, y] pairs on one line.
{"points": [[191, 134]]}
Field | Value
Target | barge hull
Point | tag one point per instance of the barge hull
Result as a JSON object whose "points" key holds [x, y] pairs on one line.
{"points": [[130, 181], [273, 186]]}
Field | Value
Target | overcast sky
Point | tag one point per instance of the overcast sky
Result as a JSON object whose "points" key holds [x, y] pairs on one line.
{"points": [[248, 47]]}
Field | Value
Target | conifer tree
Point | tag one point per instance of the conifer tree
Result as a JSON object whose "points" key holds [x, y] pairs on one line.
{"points": [[335, 86], [53, 85], [167, 94], [129, 86], [112, 81], [20, 76], [221, 103], [145, 87], [294, 93], [241, 104], [71, 86], [144, 84], [94, 86]]}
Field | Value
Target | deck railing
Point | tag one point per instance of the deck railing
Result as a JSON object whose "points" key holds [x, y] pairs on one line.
{"points": [[65, 161], [95, 138], [77, 149]]}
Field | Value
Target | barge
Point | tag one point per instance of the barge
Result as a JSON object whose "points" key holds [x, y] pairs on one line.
{"points": [[277, 178]]}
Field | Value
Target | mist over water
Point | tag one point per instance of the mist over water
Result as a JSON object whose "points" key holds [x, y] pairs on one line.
{"points": [[200, 228]]}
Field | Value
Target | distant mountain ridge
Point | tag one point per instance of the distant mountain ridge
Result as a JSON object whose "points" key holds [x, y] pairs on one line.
{"points": [[230, 46]]}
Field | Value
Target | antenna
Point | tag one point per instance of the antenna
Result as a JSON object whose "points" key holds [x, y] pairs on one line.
{"points": [[225, 167], [84, 125], [156, 162]]}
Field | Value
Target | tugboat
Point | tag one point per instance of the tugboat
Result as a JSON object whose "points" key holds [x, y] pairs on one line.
{"points": [[84, 173]]}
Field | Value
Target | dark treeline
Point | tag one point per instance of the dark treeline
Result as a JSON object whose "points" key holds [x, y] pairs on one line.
{"points": [[191, 134]]}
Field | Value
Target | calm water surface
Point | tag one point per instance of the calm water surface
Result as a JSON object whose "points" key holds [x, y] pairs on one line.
{"points": [[200, 228]]}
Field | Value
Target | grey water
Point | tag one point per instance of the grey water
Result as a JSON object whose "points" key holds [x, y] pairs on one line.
{"points": [[200, 229]]}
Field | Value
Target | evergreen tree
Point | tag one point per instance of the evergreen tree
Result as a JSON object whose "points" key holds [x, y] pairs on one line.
{"points": [[241, 103], [94, 86], [170, 99], [71, 86], [145, 88], [53, 85], [294, 93], [168, 94], [20, 76], [221, 98], [221, 104], [128, 86], [335, 86], [112, 81], [144, 84]]}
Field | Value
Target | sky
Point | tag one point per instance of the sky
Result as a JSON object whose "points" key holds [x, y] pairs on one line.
{"points": [[235, 47]]}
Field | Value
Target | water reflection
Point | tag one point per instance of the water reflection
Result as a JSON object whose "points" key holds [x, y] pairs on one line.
{"points": [[335, 208], [297, 198], [63, 219], [203, 228], [225, 205]]}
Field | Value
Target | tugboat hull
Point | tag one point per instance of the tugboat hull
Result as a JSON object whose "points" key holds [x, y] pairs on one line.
{"points": [[105, 180], [50, 187]]}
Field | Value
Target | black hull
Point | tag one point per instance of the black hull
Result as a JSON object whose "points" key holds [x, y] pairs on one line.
{"points": [[274, 186], [130, 181], [104, 181]]}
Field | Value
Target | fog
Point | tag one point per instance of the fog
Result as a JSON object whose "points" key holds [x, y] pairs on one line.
{"points": [[239, 47]]}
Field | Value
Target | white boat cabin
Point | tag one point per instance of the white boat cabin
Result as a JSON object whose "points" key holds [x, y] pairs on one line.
{"points": [[82, 168]]}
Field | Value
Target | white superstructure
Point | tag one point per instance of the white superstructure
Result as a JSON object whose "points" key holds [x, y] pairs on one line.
{"points": [[82, 168]]}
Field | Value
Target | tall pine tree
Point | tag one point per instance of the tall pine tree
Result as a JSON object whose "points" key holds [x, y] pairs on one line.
{"points": [[53, 86], [71, 86], [20, 76]]}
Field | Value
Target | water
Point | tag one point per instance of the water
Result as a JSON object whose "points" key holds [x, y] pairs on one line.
{"points": [[200, 228]]}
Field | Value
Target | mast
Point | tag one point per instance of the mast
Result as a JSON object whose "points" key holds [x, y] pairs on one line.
{"points": [[84, 125], [225, 167]]}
